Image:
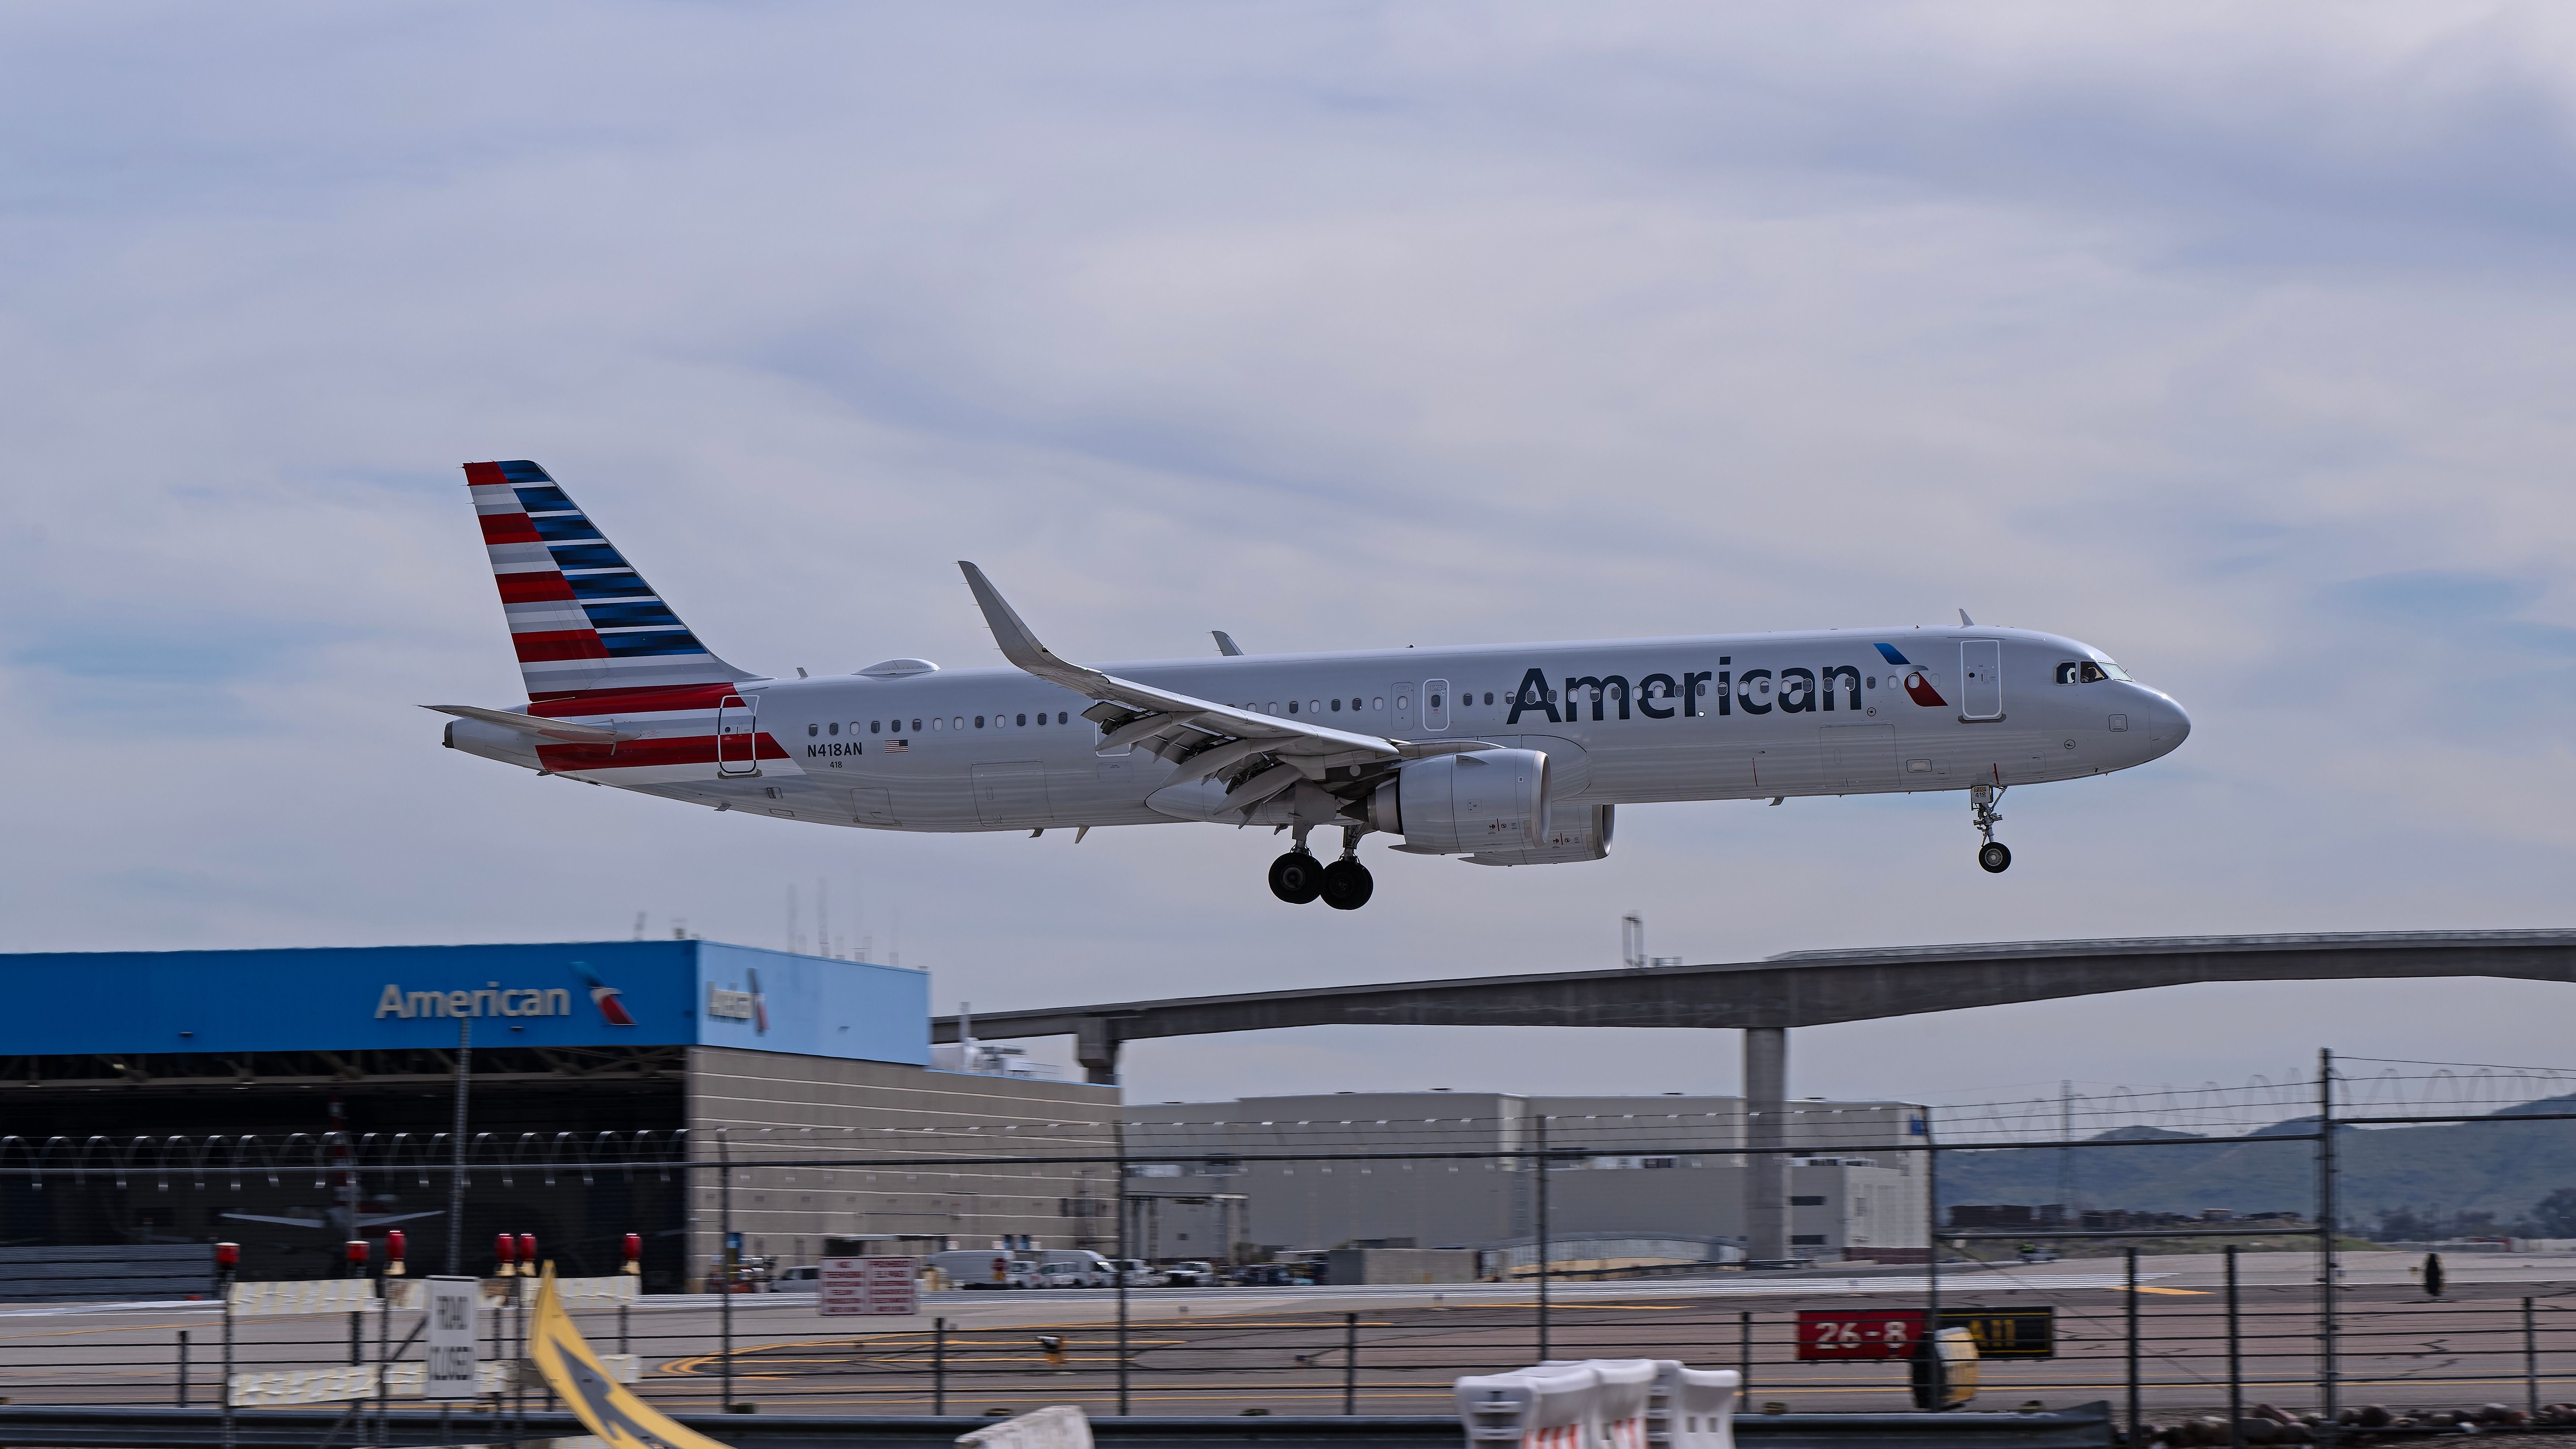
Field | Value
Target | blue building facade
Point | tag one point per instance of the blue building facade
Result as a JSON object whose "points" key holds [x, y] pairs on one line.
{"points": [[394, 998]]}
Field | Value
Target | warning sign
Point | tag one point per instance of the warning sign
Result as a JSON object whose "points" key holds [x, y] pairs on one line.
{"points": [[871, 1285]]}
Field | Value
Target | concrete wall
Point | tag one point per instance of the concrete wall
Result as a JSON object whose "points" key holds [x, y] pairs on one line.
{"points": [[832, 1119]]}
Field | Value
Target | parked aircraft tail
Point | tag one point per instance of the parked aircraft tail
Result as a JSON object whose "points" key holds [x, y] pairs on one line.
{"points": [[582, 619]]}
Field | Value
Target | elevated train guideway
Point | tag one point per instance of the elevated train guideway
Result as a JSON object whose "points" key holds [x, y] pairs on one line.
{"points": [[1763, 999]]}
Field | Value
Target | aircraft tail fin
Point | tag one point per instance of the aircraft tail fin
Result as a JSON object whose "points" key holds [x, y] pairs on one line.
{"points": [[582, 619]]}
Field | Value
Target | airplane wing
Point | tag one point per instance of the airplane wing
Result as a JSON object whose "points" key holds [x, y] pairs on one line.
{"points": [[528, 724], [265, 1218], [1265, 753], [1225, 644], [377, 1220]]}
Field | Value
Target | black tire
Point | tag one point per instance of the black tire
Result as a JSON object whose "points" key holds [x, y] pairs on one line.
{"points": [[1347, 885], [1995, 856], [1296, 878]]}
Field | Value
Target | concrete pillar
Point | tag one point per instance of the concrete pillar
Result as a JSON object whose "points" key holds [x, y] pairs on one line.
{"points": [[1095, 1046], [1766, 1124]]}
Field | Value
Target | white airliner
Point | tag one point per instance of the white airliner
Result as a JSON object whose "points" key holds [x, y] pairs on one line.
{"points": [[1504, 754]]}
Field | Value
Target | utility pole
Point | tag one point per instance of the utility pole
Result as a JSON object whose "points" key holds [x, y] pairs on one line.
{"points": [[2326, 1268]]}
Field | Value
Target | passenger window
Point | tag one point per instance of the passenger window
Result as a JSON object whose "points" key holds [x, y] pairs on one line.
{"points": [[1292, 706], [1872, 681], [959, 722], [937, 723], [1023, 719], [1060, 717], [1273, 709], [1489, 696], [1377, 701], [916, 726], [1337, 706], [835, 729], [813, 730], [1434, 701], [979, 721], [2069, 673], [872, 726]]}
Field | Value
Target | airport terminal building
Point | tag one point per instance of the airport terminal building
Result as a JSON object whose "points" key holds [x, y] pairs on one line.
{"points": [[185, 1096]]}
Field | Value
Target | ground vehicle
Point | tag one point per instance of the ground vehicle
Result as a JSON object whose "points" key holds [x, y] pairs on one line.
{"points": [[1137, 1272], [1192, 1274], [804, 1278], [1268, 1275], [1092, 1269], [976, 1267]]}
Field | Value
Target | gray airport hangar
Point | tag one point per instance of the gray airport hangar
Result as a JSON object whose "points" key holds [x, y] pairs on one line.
{"points": [[189, 1096]]}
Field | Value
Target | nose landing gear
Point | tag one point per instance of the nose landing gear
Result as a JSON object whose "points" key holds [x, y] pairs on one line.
{"points": [[1994, 855]]}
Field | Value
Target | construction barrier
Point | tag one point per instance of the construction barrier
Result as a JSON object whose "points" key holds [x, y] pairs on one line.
{"points": [[302, 1295], [1634, 1403], [1057, 1426]]}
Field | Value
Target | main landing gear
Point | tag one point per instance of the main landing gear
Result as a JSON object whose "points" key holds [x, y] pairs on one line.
{"points": [[1994, 855], [1345, 885]]}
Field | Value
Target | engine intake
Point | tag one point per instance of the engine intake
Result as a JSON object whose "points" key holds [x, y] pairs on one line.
{"points": [[1455, 804]]}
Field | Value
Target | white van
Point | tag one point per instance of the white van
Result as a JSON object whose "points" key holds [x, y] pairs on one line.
{"points": [[975, 1267], [1088, 1269]]}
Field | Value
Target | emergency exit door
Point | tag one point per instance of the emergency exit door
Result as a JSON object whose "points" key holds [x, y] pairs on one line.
{"points": [[1981, 679]]}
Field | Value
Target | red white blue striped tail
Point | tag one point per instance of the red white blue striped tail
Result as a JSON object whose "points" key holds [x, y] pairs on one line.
{"points": [[583, 620]]}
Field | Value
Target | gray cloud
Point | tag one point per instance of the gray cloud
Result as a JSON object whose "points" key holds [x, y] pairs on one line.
{"points": [[2233, 343]]}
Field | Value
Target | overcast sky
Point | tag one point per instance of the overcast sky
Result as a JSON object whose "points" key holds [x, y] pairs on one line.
{"points": [[2234, 341]]}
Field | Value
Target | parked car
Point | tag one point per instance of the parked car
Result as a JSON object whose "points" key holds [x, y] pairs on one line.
{"points": [[803, 1278], [1192, 1274], [1137, 1272], [1067, 1275], [1093, 1269], [1267, 1275]]}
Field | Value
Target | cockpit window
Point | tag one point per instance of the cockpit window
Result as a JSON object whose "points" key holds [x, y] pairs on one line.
{"points": [[2109, 670], [2089, 671]]}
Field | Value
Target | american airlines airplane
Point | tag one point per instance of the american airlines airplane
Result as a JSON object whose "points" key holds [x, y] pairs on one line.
{"points": [[1502, 754]]}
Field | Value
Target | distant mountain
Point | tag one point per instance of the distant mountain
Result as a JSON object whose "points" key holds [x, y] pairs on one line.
{"points": [[2500, 1167]]}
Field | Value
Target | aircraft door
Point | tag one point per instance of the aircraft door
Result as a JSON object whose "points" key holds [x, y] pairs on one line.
{"points": [[737, 737], [1401, 720], [1981, 679], [1435, 705]]}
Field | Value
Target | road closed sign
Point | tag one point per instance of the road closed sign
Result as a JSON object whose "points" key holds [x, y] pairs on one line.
{"points": [[871, 1285], [454, 1304]]}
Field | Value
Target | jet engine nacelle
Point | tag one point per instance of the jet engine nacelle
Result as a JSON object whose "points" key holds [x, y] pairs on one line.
{"points": [[1455, 804]]}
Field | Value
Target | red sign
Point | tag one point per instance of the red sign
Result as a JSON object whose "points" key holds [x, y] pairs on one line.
{"points": [[870, 1285], [1849, 1333]]}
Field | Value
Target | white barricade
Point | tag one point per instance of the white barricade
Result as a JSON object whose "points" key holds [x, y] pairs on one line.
{"points": [[284, 1388], [1619, 1399], [1057, 1426], [1549, 1407], [1631, 1403], [310, 1295], [1693, 1408]]}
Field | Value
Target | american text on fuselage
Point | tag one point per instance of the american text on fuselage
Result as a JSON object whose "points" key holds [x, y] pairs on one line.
{"points": [[1501, 755]]}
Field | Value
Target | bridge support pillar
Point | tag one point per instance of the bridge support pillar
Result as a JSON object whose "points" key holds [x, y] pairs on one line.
{"points": [[1095, 1045], [1766, 1124]]}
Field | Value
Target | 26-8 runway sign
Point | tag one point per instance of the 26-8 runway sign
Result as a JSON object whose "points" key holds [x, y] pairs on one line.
{"points": [[870, 1285], [1841, 1334]]}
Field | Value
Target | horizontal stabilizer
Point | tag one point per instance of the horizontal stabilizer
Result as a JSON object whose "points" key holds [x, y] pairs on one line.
{"points": [[528, 724]]}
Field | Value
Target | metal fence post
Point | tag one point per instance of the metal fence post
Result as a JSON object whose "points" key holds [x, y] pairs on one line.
{"points": [[1744, 1357], [1125, 1253], [1544, 1260], [183, 1368], [2235, 1359], [725, 1257], [2137, 1414], [939, 1367], [224, 1387], [2326, 1268], [1351, 1362], [2530, 1359]]}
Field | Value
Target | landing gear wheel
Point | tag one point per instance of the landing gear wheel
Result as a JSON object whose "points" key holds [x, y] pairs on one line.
{"points": [[1995, 856], [1296, 878], [1347, 885]]}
